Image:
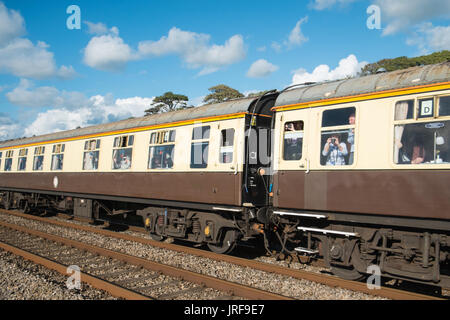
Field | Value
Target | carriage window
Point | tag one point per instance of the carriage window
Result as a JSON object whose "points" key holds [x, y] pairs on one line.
{"points": [[444, 106], [38, 163], [404, 110], [91, 154], [419, 143], [293, 140], [338, 144], [58, 156], [161, 150], [122, 152], [1, 153], [226, 146], [200, 147], [22, 163], [337, 117], [8, 160]]}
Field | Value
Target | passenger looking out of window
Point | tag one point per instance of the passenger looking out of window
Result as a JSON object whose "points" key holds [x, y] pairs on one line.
{"points": [[351, 138], [335, 151], [418, 151]]}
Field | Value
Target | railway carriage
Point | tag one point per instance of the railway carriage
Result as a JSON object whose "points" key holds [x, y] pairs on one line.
{"points": [[356, 171]]}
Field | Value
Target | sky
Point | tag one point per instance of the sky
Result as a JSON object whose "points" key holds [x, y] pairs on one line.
{"points": [[105, 61]]}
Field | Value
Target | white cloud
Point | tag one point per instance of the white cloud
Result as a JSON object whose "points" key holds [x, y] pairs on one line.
{"points": [[96, 28], [97, 109], [429, 38], [12, 24], [348, 67], [25, 95], [400, 15], [194, 49], [261, 68], [21, 57], [327, 4], [9, 129], [296, 36], [107, 53]]}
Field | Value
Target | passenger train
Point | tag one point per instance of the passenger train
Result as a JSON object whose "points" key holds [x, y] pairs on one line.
{"points": [[355, 171]]}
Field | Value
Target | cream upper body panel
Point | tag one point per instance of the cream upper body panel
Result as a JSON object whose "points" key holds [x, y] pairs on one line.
{"points": [[374, 134], [74, 151]]}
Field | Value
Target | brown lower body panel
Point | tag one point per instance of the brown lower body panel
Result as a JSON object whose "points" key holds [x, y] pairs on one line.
{"points": [[422, 194], [202, 187]]}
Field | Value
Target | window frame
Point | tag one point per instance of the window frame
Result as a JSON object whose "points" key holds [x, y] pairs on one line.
{"points": [[21, 156], [340, 129], [159, 141], [120, 147], [417, 120], [221, 146], [9, 155], [88, 149], [200, 141], [58, 150], [283, 132], [39, 151]]}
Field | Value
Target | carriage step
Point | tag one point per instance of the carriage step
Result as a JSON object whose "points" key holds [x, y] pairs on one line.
{"points": [[305, 250], [303, 215], [326, 231]]}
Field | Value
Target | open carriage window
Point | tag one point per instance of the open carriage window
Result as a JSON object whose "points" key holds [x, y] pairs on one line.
{"points": [[8, 160], [338, 137], [22, 163], [122, 152], [293, 140], [38, 163], [91, 154], [58, 156], [226, 146], [161, 150]]}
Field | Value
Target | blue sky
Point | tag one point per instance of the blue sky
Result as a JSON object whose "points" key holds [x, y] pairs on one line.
{"points": [[53, 78]]}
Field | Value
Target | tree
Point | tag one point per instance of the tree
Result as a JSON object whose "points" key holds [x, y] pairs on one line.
{"points": [[257, 94], [405, 62], [169, 101], [221, 93]]}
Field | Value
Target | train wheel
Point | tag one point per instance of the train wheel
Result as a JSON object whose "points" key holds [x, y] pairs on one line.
{"points": [[227, 245], [347, 273]]}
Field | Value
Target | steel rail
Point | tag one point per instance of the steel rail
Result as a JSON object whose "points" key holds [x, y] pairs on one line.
{"points": [[332, 281], [114, 290], [203, 280]]}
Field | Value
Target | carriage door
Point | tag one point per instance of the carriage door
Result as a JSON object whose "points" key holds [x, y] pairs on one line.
{"points": [[293, 163]]}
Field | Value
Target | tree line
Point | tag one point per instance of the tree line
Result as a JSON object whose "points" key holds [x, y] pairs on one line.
{"points": [[170, 101]]}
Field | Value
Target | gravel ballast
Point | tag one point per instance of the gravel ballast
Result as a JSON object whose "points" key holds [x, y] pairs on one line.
{"points": [[299, 289]]}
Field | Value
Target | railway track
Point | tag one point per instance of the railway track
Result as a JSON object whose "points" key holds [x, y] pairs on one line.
{"points": [[121, 275], [328, 280]]}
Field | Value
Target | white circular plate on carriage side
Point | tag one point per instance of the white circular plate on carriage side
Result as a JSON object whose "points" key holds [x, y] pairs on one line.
{"points": [[55, 182]]}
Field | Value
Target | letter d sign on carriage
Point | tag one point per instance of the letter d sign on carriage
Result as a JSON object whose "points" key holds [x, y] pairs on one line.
{"points": [[74, 20]]}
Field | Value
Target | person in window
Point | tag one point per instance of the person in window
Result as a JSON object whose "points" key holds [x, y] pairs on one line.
{"points": [[335, 151], [418, 151], [168, 163], [351, 138], [125, 162], [289, 126]]}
